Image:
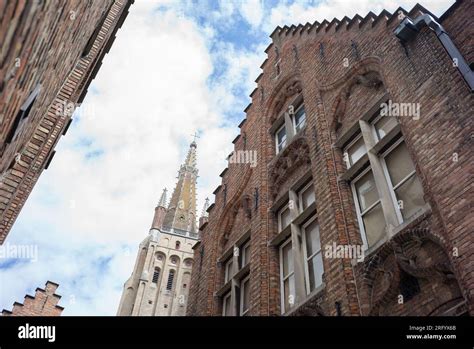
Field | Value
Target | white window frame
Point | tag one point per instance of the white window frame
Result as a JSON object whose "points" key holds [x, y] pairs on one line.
{"points": [[349, 163], [243, 255], [305, 252], [282, 278], [374, 129], [276, 138], [224, 303], [228, 272], [286, 206], [300, 195], [241, 306], [391, 187], [293, 118], [357, 205]]}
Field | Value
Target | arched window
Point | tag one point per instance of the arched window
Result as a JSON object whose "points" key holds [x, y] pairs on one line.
{"points": [[169, 285], [178, 245], [156, 275]]}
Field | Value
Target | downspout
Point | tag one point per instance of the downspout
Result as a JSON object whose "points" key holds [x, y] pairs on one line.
{"points": [[407, 30]]}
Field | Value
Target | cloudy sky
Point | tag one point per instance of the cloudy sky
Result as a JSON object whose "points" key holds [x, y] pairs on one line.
{"points": [[175, 68]]}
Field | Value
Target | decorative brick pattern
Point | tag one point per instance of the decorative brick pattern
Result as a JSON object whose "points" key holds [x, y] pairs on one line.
{"points": [[44, 303]]}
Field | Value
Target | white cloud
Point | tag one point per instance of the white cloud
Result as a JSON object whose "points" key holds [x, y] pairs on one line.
{"points": [[87, 215], [150, 95]]}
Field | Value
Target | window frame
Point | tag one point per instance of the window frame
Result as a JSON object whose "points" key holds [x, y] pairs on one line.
{"points": [[241, 296], [224, 303], [349, 162], [171, 272], [243, 255], [280, 211], [391, 187], [377, 118], [307, 186], [156, 270], [282, 277], [278, 151], [293, 118], [357, 205], [228, 272], [305, 252]]}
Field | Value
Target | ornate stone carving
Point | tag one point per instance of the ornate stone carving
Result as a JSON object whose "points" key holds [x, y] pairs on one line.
{"points": [[293, 156]]}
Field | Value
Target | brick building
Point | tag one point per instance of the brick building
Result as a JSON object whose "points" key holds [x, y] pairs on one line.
{"points": [[44, 303], [359, 202], [50, 52]]}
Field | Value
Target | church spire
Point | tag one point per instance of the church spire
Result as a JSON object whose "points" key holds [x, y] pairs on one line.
{"points": [[160, 212], [162, 202], [181, 213]]}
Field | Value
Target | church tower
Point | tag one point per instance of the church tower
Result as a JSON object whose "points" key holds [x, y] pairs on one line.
{"points": [[159, 283]]}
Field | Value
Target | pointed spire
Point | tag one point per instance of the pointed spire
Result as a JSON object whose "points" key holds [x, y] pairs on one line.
{"points": [[181, 213], [204, 208], [162, 202]]}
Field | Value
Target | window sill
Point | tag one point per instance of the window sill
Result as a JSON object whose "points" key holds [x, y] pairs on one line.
{"points": [[355, 168], [316, 292], [224, 289], [389, 137], [425, 210], [281, 236]]}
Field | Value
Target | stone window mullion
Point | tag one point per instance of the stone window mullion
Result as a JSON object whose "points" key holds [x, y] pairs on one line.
{"points": [[290, 131], [298, 257], [388, 208]]}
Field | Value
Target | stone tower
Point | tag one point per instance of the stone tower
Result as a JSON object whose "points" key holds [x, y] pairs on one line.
{"points": [[159, 283]]}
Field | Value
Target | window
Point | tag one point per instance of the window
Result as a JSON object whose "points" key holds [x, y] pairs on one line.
{"points": [[156, 276], [284, 217], [389, 177], [299, 119], [228, 270], [169, 284], [354, 151], [301, 247], [227, 305], [287, 276], [382, 125], [313, 255], [244, 254], [234, 271], [280, 138], [295, 119], [22, 115], [178, 245], [244, 296], [306, 196], [405, 185], [369, 209]]}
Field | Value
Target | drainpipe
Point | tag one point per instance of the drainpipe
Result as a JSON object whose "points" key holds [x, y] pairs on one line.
{"points": [[407, 30]]}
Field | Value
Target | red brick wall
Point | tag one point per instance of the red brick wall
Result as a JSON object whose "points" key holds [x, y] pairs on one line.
{"points": [[335, 96], [44, 303], [42, 43]]}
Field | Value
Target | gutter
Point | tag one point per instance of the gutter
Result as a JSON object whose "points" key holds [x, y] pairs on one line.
{"points": [[407, 30]]}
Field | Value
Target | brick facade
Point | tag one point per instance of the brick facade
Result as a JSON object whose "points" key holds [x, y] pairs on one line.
{"points": [[50, 52], [44, 303], [342, 70]]}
